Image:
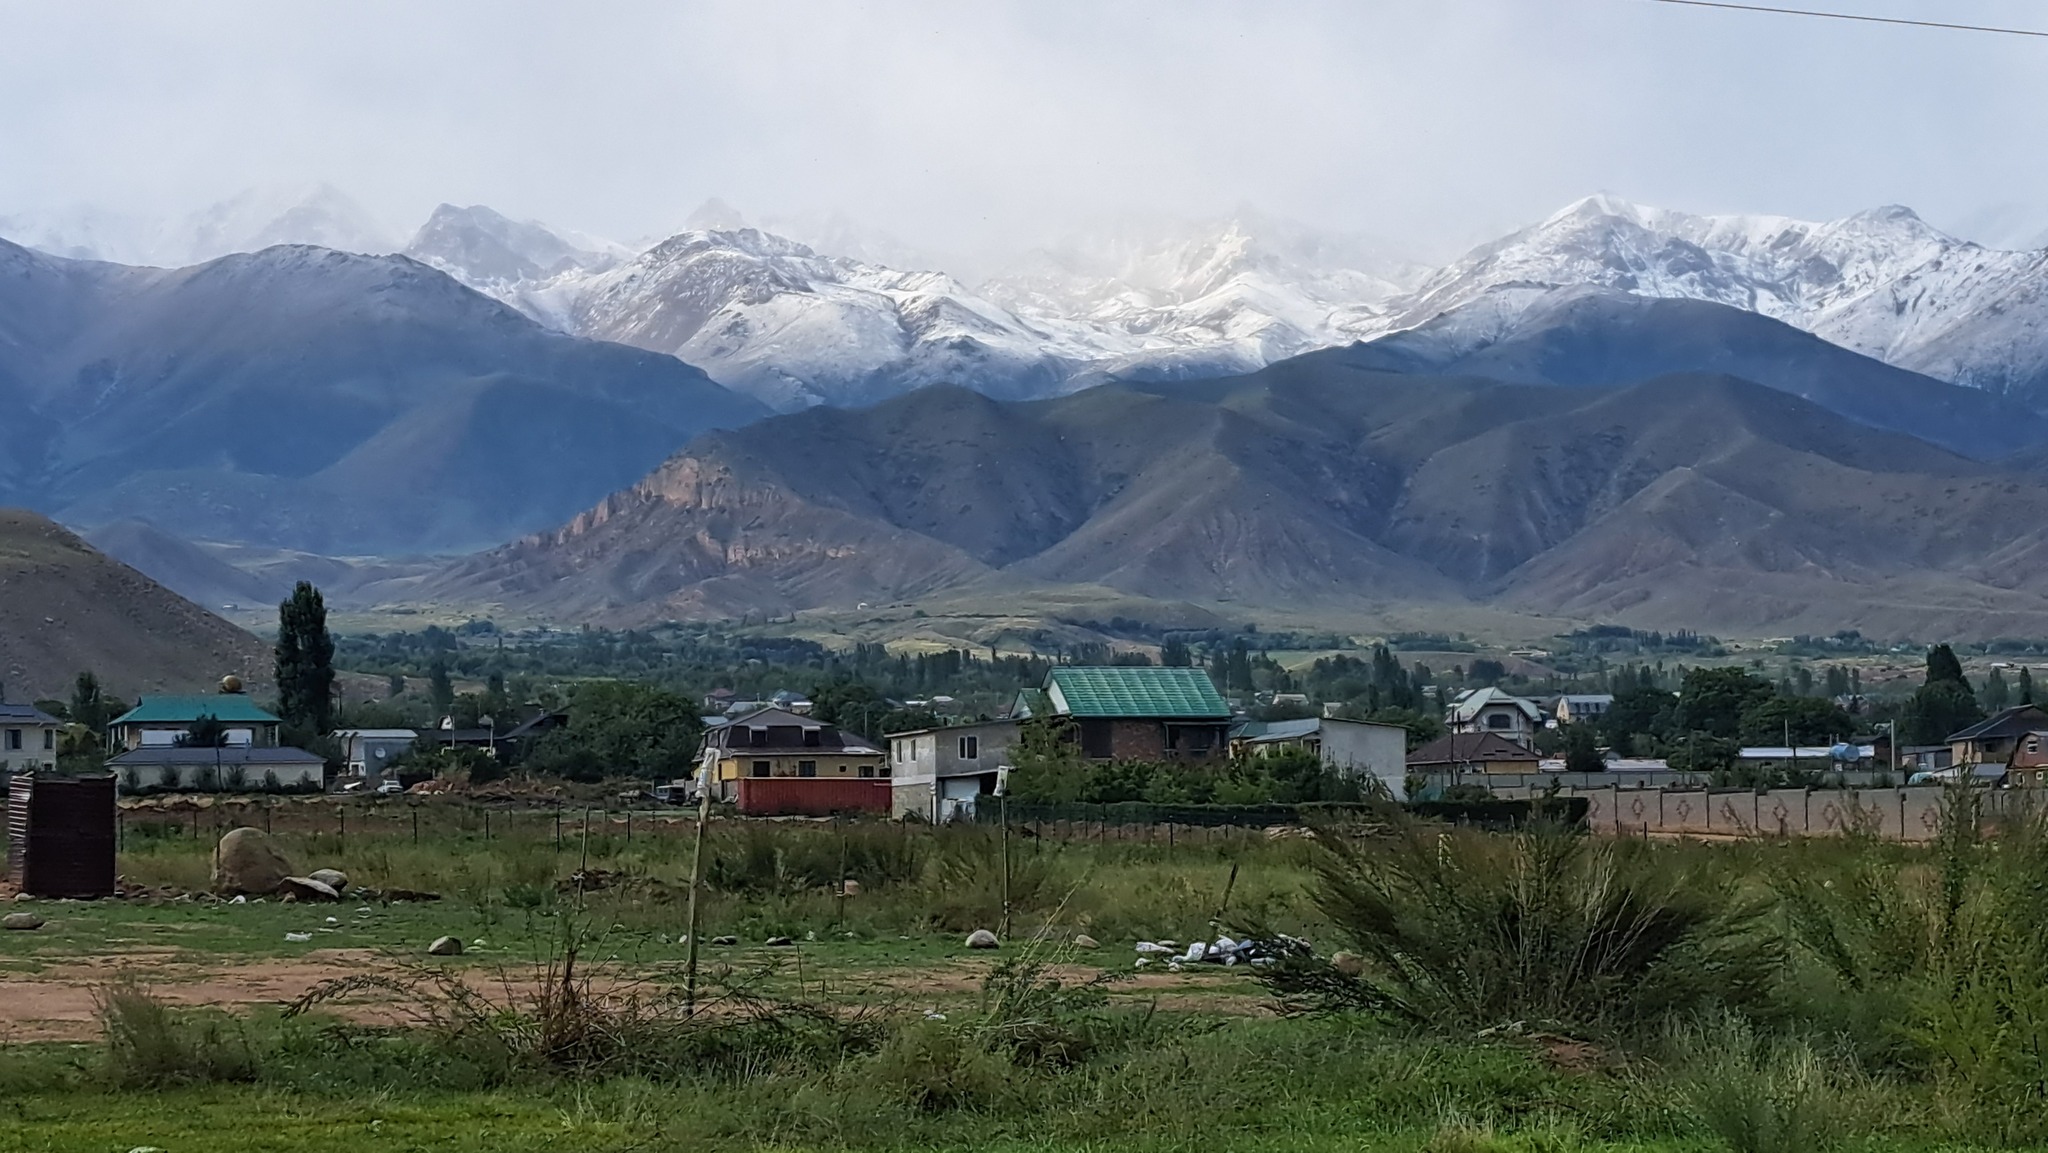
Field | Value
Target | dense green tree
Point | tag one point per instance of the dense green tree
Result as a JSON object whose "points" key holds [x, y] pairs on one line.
{"points": [[853, 705], [1944, 704], [1942, 665], [394, 685], [1713, 701], [1582, 750], [305, 661], [1807, 720], [1837, 681], [440, 688], [1996, 693], [1174, 654], [1640, 710], [2026, 694], [623, 729], [207, 732], [89, 703]]}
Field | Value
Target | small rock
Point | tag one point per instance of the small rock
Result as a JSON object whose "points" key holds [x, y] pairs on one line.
{"points": [[1152, 947], [1196, 951], [811, 936], [332, 878], [849, 888], [934, 1015], [239, 900], [1349, 964], [307, 889], [24, 921], [725, 940], [298, 937], [1084, 941], [982, 939], [446, 947], [24, 898], [334, 920], [778, 942]]}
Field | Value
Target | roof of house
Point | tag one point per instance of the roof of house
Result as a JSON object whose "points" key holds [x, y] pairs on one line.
{"points": [[376, 734], [1467, 748], [207, 755], [1135, 691], [962, 727], [1587, 700], [1468, 705], [228, 708], [26, 715], [1260, 732], [778, 723], [2015, 721]]}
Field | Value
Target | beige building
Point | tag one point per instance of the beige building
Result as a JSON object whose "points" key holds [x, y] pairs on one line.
{"points": [[28, 739]]}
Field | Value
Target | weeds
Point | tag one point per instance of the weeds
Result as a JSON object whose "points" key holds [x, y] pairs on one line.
{"points": [[148, 1045]]}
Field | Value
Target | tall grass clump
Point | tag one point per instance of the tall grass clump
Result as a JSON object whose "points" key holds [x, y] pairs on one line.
{"points": [[1462, 929], [1954, 949], [149, 1045], [1762, 1092]]}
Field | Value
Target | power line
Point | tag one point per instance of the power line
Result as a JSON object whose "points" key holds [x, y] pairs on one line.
{"points": [[1858, 18]]}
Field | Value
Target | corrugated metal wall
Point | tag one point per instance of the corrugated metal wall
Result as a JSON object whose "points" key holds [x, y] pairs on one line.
{"points": [[60, 835], [812, 796]]}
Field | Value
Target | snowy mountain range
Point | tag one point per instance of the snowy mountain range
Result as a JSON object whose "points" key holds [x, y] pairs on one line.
{"points": [[794, 324]]}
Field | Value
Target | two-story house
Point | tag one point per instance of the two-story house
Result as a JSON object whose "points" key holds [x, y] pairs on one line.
{"points": [[939, 773], [771, 762], [1575, 707], [1991, 741], [28, 739], [1138, 713], [1491, 710]]}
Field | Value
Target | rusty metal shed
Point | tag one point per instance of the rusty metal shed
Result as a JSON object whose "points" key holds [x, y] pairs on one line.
{"points": [[61, 834]]}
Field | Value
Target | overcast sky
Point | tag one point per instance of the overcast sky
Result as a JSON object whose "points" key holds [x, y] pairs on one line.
{"points": [[1434, 123]]}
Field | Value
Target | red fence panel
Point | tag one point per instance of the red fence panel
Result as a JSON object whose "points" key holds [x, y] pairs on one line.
{"points": [[812, 796]]}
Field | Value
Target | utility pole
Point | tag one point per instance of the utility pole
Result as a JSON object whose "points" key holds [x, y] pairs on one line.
{"points": [[696, 876]]}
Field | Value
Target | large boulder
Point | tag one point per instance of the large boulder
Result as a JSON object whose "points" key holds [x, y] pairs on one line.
{"points": [[332, 878], [24, 921], [248, 861], [446, 947], [982, 939]]}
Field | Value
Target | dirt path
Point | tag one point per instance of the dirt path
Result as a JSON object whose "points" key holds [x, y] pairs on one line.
{"points": [[58, 1002]]}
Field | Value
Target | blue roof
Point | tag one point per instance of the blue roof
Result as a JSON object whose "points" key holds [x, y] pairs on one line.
{"points": [[227, 708]]}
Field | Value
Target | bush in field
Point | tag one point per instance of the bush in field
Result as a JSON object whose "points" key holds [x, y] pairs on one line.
{"points": [[148, 1045], [1460, 929], [760, 859], [1757, 1092], [1949, 959]]}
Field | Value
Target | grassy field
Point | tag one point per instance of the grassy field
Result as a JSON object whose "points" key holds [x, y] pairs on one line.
{"points": [[1529, 993]]}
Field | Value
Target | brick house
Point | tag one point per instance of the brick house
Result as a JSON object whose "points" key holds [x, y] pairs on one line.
{"points": [[1139, 713]]}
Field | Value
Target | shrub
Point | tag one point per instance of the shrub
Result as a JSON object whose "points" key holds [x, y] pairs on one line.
{"points": [[148, 1045], [1758, 1093], [1463, 929]]}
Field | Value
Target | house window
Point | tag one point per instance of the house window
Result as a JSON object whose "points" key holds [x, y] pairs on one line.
{"points": [[757, 737], [1499, 721], [867, 771], [14, 738], [760, 768], [49, 739], [807, 768], [970, 748], [811, 738]]}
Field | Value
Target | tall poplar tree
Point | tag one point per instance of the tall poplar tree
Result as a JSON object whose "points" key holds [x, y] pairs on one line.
{"points": [[305, 661]]}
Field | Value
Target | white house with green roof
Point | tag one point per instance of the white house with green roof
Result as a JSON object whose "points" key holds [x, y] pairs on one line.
{"points": [[1140, 713], [159, 722]]}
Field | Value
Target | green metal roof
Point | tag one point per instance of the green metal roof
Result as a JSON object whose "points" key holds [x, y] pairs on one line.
{"points": [[1135, 692], [227, 708]]}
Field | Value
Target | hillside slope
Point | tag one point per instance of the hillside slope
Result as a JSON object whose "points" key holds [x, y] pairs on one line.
{"points": [[1317, 483], [65, 607], [315, 399]]}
